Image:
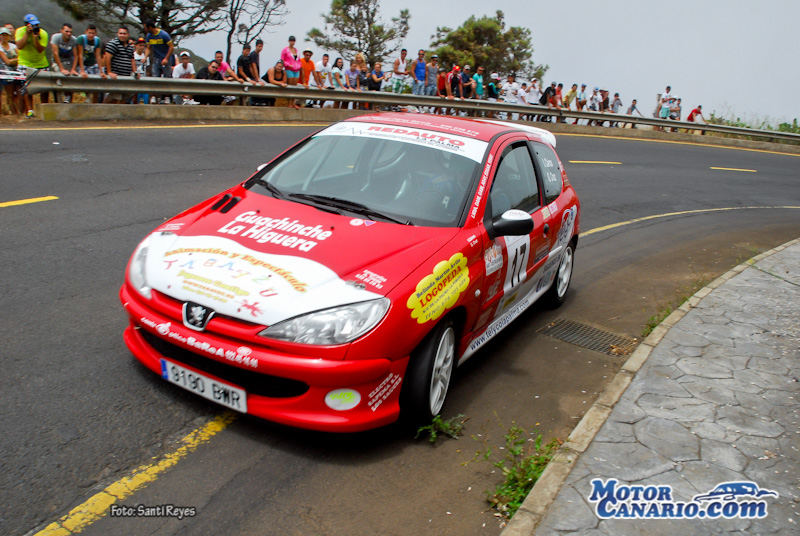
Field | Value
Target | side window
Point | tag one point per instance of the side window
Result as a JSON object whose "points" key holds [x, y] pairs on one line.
{"points": [[514, 184], [551, 174]]}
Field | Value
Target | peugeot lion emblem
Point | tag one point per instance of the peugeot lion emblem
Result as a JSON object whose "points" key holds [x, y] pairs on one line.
{"points": [[196, 316]]}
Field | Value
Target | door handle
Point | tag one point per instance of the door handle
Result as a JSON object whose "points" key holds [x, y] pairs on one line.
{"points": [[546, 229]]}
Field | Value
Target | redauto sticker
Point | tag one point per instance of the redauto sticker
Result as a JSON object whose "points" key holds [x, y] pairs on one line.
{"points": [[439, 290], [250, 285], [284, 232], [493, 258], [452, 143]]}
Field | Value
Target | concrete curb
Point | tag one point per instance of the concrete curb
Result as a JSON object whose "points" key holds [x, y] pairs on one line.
{"points": [[106, 112], [533, 509]]}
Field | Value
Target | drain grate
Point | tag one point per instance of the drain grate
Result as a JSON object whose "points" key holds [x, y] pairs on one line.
{"points": [[589, 337]]}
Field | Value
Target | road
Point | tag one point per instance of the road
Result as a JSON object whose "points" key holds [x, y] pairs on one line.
{"points": [[81, 413]]}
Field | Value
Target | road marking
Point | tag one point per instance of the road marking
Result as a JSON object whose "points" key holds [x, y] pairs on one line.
{"points": [[734, 169], [695, 143], [27, 201], [97, 506], [593, 162], [682, 213]]}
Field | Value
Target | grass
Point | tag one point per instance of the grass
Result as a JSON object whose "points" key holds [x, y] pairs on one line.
{"points": [[664, 311], [452, 427], [524, 459]]}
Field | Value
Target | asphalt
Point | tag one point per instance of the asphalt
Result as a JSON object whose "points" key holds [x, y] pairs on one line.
{"points": [[711, 396]]}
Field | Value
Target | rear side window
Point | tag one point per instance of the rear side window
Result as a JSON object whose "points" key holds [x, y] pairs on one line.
{"points": [[551, 172]]}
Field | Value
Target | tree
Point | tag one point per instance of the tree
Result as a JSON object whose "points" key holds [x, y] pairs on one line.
{"points": [[179, 18], [354, 26], [485, 41], [246, 19]]}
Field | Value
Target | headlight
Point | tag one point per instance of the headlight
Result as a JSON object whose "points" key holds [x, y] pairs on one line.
{"points": [[137, 272], [337, 325]]}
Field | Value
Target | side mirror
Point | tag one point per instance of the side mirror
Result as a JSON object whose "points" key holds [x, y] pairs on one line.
{"points": [[512, 222]]}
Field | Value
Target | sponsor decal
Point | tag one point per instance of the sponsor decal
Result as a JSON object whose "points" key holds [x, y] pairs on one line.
{"points": [[550, 171], [545, 213], [371, 278], [452, 143], [482, 185], [343, 399], [355, 222], [473, 240], [493, 258], [541, 253], [170, 227], [382, 391], [553, 207], [567, 225], [241, 355], [498, 325], [613, 500], [440, 290], [422, 123], [264, 229]]}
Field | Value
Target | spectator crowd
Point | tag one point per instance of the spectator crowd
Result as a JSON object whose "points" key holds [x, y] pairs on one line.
{"points": [[23, 52]]}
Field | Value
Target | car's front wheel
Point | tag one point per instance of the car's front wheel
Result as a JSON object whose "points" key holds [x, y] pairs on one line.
{"points": [[428, 375]]}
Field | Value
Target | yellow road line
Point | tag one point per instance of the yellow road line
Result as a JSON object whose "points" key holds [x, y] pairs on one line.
{"points": [[28, 201], [97, 506], [734, 169], [682, 213], [593, 162], [695, 143]]}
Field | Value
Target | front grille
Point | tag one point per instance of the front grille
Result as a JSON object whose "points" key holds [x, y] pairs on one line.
{"points": [[252, 382]]}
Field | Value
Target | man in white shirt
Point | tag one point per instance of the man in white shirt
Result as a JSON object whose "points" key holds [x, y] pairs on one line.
{"points": [[184, 69], [510, 90], [324, 69]]}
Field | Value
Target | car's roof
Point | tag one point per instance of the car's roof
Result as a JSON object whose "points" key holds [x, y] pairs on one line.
{"points": [[478, 129]]}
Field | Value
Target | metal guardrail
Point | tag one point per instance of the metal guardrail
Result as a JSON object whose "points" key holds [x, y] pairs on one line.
{"points": [[46, 82]]}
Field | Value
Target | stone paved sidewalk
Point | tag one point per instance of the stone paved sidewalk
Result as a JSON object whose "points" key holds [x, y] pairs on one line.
{"points": [[716, 400]]}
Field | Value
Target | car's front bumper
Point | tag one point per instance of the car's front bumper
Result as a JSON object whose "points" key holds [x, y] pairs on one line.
{"points": [[280, 387]]}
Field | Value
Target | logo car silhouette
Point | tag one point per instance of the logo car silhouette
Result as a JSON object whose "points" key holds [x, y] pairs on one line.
{"points": [[728, 491]]}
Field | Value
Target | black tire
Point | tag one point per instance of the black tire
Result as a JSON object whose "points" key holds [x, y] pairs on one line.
{"points": [[554, 297], [428, 375]]}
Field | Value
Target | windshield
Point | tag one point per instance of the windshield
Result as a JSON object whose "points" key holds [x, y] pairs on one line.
{"points": [[383, 179]]}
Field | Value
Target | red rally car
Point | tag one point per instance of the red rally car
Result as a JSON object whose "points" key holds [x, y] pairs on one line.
{"points": [[340, 285]]}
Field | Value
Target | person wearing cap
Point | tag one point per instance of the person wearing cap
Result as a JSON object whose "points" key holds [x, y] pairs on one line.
{"points": [[159, 49], [186, 71], [31, 41], [454, 85], [142, 62], [492, 91], [8, 60], [467, 83], [308, 70]]}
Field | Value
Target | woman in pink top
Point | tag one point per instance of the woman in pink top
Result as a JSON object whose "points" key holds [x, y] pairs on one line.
{"points": [[291, 63]]}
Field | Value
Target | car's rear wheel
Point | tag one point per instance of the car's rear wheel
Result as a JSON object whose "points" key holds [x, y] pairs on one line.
{"points": [[428, 375], [558, 291]]}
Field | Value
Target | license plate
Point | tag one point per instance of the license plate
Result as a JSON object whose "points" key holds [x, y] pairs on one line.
{"points": [[221, 393]]}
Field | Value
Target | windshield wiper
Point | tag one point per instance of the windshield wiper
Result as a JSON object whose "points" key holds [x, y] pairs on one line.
{"points": [[351, 206], [274, 190]]}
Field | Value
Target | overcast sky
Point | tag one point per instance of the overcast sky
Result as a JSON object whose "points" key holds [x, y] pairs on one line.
{"points": [[712, 52]]}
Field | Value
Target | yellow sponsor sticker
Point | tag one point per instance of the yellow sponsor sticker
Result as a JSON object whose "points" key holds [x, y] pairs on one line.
{"points": [[440, 290]]}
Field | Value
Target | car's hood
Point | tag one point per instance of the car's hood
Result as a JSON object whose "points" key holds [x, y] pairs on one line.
{"points": [[267, 260]]}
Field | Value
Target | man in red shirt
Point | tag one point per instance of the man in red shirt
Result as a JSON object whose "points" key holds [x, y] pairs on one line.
{"points": [[696, 116]]}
